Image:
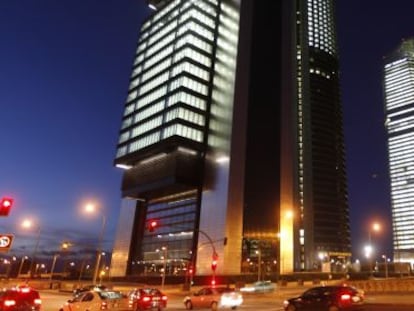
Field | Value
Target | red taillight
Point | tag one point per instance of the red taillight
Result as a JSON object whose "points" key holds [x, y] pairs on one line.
{"points": [[146, 298], [164, 298], [9, 303], [38, 301], [104, 305], [345, 297]]}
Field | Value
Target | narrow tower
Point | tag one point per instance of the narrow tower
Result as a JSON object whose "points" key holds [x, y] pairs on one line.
{"points": [[399, 112]]}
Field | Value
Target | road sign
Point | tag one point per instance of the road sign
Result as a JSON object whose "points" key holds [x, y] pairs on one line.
{"points": [[5, 242]]}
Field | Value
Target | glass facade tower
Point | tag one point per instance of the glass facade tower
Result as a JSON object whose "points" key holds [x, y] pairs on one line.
{"points": [[323, 222], [399, 110], [231, 139]]}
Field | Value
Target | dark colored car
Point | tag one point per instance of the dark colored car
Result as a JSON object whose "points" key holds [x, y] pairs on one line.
{"points": [[87, 288], [327, 298], [20, 299], [147, 299]]}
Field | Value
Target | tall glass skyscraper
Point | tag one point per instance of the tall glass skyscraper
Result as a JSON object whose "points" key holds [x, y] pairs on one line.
{"points": [[232, 141], [399, 110]]}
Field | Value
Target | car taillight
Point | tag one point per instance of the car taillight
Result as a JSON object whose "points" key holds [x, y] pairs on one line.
{"points": [[9, 303], [146, 298], [164, 298], [104, 305], [38, 301], [345, 297]]}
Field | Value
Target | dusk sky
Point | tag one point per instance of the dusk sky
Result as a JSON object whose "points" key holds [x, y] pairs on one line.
{"points": [[64, 74]]}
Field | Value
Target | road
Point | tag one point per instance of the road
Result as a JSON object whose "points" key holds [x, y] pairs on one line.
{"points": [[255, 302]]}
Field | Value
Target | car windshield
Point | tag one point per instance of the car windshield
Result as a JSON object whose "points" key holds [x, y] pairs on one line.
{"points": [[110, 295], [151, 291]]}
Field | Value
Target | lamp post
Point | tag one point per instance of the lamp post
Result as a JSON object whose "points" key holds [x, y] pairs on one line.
{"points": [[29, 224], [164, 257], [259, 264], [21, 265], [375, 227], [90, 208], [53, 266], [386, 265]]}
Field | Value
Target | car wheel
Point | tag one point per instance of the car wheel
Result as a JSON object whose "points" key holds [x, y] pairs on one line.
{"points": [[214, 306], [291, 308], [333, 308], [188, 305]]}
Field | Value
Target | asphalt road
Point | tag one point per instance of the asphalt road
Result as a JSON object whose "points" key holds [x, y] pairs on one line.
{"points": [[255, 302]]}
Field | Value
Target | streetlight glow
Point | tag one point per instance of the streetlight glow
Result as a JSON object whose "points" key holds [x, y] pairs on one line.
{"points": [[376, 227], [91, 208], [28, 224]]}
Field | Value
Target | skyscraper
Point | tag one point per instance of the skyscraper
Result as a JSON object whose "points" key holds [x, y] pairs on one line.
{"points": [[399, 111], [232, 140]]}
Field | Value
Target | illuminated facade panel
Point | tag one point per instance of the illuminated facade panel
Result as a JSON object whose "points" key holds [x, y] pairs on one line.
{"points": [[399, 110]]}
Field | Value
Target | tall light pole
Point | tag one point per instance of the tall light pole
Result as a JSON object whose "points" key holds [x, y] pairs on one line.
{"points": [[375, 227], [90, 208], [259, 264], [27, 224], [21, 265], [164, 265], [53, 266], [386, 265]]}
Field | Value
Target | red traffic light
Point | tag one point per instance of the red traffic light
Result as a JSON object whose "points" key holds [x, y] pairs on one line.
{"points": [[5, 206], [214, 265], [152, 225]]}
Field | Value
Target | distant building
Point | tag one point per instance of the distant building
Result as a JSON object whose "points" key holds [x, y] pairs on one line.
{"points": [[232, 141], [399, 111]]}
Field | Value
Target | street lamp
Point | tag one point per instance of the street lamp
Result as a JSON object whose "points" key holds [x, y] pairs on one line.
{"points": [[259, 263], [91, 208], [386, 265], [375, 227], [164, 257], [28, 224], [21, 265], [53, 266]]}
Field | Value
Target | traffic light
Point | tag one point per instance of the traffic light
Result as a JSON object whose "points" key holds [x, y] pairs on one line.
{"points": [[5, 206], [152, 225], [214, 265]]}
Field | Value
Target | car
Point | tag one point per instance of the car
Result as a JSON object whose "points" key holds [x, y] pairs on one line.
{"points": [[259, 287], [86, 288], [214, 298], [327, 298], [97, 301], [20, 298], [146, 299]]}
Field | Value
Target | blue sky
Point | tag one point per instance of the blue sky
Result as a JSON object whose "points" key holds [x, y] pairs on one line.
{"points": [[64, 71], [64, 76]]}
